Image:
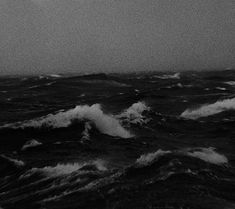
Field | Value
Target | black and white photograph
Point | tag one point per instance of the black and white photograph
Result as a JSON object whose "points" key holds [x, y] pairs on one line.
{"points": [[117, 104]]}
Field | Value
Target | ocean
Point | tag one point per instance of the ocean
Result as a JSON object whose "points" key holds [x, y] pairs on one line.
{"points": [[152, 140]]}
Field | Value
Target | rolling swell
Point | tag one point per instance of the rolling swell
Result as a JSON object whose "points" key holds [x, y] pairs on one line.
{"points": [[141, 183]]}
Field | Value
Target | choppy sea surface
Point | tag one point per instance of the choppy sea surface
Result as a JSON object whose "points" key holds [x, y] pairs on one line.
{"points": [[118, 141]]}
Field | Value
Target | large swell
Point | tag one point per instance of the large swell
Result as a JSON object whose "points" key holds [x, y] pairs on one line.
{"points": [[147, 140]]}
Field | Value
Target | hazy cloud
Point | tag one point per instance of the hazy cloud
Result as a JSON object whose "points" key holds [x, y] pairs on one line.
{"points": [[42, 36]]}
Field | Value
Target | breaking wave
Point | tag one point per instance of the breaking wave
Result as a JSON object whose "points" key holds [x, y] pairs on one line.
{"points": [[147, 159], [133, 114], [64, 169], [231, 83], [205, 154], [209, 109], [221, 88], [106, 124], [16, 162], [30, 144], [208, 155]]}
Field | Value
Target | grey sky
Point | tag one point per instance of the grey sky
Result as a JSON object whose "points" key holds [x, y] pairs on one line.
{"points": [[44, 36]]}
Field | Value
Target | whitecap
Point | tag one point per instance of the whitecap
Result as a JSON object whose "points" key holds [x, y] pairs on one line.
{"points": [[167, 76], [149, 158], [55, 76], [205, 154], [221, 88], [133, 114], [16, 162], [105, 123], [30, 144], [208, 155], [231, 83], [62, 169], [209, 109]]}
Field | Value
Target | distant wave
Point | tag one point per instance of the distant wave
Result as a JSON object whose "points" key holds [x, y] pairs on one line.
{"points": [[49, 76], [178, 85], [30, 144], [42, 85], [167, 76], [106, 124], [209, 109], [105, 82], [55, 76], [221, 88], [231, 83], [16, 162], [147, 159], [205, 154]]}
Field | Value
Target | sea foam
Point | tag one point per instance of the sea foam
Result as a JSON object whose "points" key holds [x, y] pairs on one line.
{"points": [[209, 109], [133, 114]]}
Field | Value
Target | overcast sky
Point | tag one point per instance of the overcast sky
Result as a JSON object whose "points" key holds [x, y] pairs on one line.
{"points": [[51, 36]]}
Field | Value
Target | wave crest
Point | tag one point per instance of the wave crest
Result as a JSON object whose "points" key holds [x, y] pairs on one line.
{"points": [[147, 159], [209, 109], [174, 76], [133, 114], [106, 124], [30, 144], [16, 162], [208, 155], [205, 154], [64, 169]]}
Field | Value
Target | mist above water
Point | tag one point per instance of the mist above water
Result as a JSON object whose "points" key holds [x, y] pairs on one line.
{"points": [[48, 36]]}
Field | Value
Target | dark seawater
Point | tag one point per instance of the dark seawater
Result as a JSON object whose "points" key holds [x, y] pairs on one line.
{"points": [[120, 141]]}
